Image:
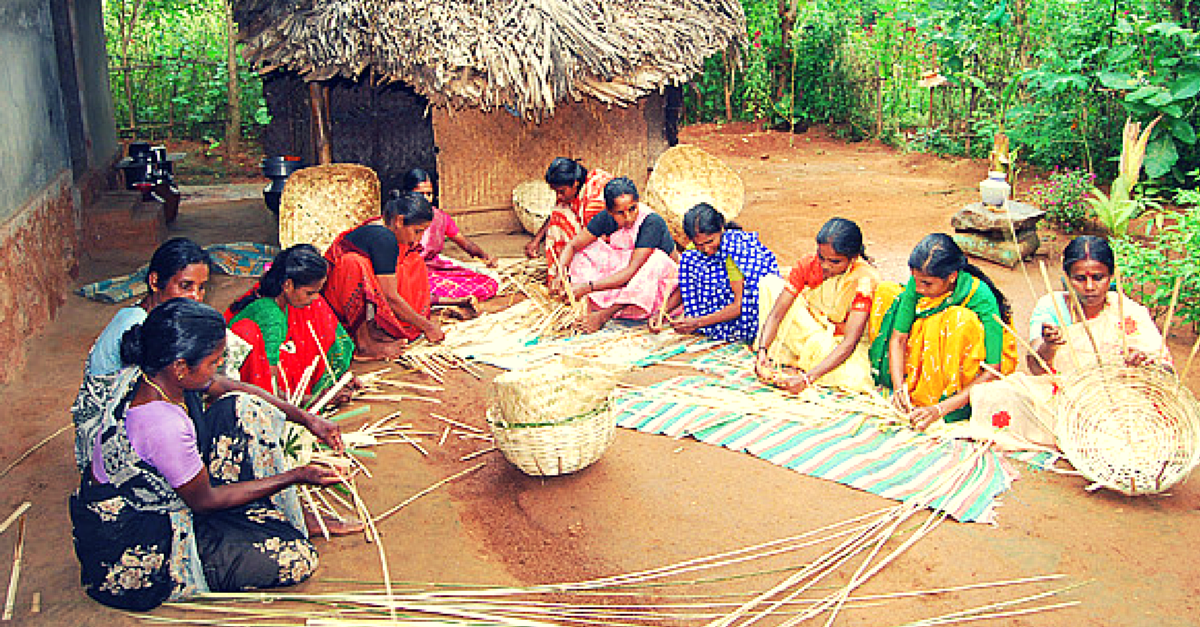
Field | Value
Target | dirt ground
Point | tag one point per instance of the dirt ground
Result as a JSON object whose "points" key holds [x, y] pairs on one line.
{"points": [[650, 500]]}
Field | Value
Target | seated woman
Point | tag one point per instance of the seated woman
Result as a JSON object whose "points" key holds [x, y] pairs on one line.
{"points": [[449, 282], [719, 278], [816, 321], [176, 501], [931, 339], [378, 285], [1022, 405], [179, 268], [294, 336], [629, 272], [580, 196]]}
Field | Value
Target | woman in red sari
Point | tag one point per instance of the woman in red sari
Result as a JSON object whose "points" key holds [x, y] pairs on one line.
{"points": [[378, 285], [580, 197], [293, 333]]}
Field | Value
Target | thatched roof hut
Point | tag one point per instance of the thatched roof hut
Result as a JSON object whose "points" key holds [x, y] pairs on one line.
{"points": [[499, 67]]}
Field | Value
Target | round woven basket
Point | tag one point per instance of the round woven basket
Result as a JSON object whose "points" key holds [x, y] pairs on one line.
{"points": [[557, 447], [320, 202], [563, 386], [533, 202], [1129, 429], [684, 176]]}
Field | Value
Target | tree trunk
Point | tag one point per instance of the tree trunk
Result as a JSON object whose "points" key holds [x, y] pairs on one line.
{"points": [[728, 84], [126, 23], [787, 22], [233, 124], [319, 123]]}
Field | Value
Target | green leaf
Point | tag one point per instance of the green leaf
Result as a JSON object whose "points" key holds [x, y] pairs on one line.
{"points": [[1160, 156], [1182, 130], [1117, 80], [1144, 93], [1186, 86]]}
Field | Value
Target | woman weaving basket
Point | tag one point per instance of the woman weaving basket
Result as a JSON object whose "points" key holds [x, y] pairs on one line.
{"points": [[1121, 329], [624, 262], [932, 337], [719, 278], [175, 500], [294, 336], [816, 320], [580, 196], [378, 285], [450, 282]]}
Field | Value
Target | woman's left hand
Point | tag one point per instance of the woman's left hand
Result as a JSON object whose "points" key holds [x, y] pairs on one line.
{"points": [[922, 417], [1138, 358], [490, 260], [579, 290], [685, 325], [326, 431]]}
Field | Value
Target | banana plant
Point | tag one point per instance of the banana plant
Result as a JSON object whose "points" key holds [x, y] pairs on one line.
{"points": [[1118, 207]]}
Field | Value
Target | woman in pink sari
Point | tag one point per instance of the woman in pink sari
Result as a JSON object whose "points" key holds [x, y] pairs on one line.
{"points": [[448, 280], [624, 262]]}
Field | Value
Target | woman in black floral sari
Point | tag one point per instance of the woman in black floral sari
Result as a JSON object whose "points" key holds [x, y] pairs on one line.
{"points": [[178, 500]]}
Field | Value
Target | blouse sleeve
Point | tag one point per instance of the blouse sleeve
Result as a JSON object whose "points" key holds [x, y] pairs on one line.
{"points": [[164, 436], [271, 323], [1043, 313]]}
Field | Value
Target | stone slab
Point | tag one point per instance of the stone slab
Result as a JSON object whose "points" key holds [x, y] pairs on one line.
{"points": [[978, 218], [999, 250]]}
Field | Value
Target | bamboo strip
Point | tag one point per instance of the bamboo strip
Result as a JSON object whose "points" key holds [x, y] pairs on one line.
{"points": [[418, 386], [308, 500], [471, 456], [414, 444], [331, 393], [445, 433], [13, 579], [456, 423], [431, 488], [399, 398], [320, 349], [1170, 315], [1058, 313], [1083, 321], [1028, 347], [1187, 368], [35, 604], [21, 509], [33, 449]]}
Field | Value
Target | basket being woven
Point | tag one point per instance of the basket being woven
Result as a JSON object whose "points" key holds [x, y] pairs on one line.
{"points": [[533, 202], [320, 202], [686, 175], [1130, 429], [554, 448], [564, 386]]}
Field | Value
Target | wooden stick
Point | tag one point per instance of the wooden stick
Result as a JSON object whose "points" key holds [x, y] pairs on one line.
{"points": [[308, 500], [455, 422], [445, 433], [13, 579], [414, 444], [471, 456], [331, 393], [399, 398], [1187, 367], [1058, 312], [320, 349], [1121, 316], [431, 488], [14, 516], [416, 386], [33, 449], [1170, 315], [1026, 345], [35, 605]]}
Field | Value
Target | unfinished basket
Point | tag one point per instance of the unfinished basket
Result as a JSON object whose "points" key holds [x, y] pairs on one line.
{"points": [[561, 387], [1129, 429], [320, 202], [684, 176], [557, 447], [533, 202]]}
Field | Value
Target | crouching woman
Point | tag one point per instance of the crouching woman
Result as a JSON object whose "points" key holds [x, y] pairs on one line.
{"points": [[177, 500]]}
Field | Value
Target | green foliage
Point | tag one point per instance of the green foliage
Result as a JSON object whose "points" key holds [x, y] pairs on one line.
{"points": [[1152, 264], [176, 52], [1061, 196], [1115, 209]]}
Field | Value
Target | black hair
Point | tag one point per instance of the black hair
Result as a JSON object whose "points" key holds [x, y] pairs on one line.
{"points": [[704, 218], [180, 328], [564, 171], [620, 186], [172, 257], [938, 255], [844, 237], [411, 207], [413, 178], [1089, 248], [300, 263]]}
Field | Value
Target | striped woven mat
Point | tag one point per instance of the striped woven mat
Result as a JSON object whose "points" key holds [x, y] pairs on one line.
{"points": [[849, 447]]}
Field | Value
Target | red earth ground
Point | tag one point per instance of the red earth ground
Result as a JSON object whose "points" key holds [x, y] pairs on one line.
{"points": [[651, 500]]}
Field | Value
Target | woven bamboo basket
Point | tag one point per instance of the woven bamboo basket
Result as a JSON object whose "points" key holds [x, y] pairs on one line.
{"points": [[1129, 429], [554, 448], [533, 202], [684, 176], [553, 418], [320, 202]]}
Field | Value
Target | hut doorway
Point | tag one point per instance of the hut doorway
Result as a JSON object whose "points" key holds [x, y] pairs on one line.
{"points": [[386, 127]]}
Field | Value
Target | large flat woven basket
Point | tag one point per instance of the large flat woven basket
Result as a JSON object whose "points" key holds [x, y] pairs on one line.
{"points": [[320, 202], [685, 176], [557, 447], [1130, 429], [533, 202]]}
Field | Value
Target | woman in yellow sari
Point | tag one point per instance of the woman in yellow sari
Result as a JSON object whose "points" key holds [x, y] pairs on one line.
{"points": [[818, 317], [932, 338], [1018, 411]]}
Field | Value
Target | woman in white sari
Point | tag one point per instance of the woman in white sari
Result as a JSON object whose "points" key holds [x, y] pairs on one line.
{"points": [[1018, 411]]}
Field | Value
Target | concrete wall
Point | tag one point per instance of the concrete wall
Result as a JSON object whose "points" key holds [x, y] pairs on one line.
{"points": [[57, 144]]}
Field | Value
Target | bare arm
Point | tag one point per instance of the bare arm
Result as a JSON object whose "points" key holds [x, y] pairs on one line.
{"points": [[473, 249], [531, 249], [855, 326], [405, 312], [922, 417], [202, 497]]}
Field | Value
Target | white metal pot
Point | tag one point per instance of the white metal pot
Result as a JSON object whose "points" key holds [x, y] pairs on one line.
{"points": [[994, 190]]}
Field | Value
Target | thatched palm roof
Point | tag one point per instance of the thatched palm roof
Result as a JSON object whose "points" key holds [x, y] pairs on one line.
{"points": [[527, 54]]}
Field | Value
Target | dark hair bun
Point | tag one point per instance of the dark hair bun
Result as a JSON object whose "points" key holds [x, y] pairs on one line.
{"points": [[131, 345]]}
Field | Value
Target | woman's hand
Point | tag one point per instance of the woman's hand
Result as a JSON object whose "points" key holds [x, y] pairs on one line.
{"points": [[795, 384], [531, 249], [1053, 335], [318, 475], [763, 369], [900, 399], [922, 417], [434, 333], [685, 325], [490, 260], [655, 322], [1138, 358], [579, 290]]}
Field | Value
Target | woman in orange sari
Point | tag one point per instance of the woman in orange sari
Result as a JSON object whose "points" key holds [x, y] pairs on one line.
{"points": [[378, 285], [580, 196]]}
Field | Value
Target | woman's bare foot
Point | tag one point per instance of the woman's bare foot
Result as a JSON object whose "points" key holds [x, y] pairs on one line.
{"points": [[593, 321], [374, 344]]}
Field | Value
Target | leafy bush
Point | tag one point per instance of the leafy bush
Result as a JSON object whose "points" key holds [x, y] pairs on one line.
{"points": [[1166, 254], [1061, 196]]}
